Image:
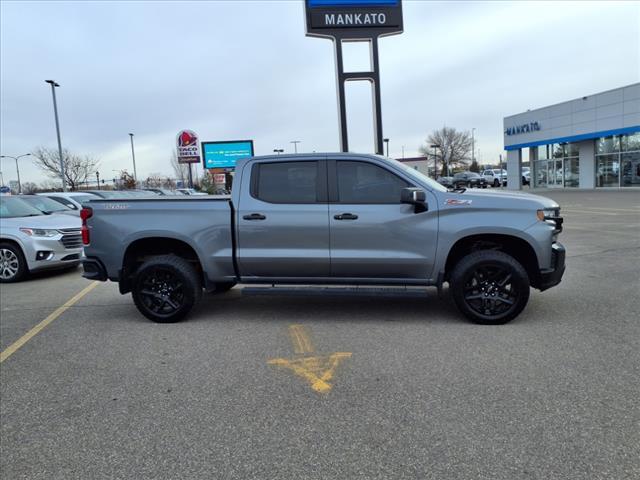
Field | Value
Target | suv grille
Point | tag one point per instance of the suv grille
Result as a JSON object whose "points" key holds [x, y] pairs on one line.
{"points": [[71, 237]]}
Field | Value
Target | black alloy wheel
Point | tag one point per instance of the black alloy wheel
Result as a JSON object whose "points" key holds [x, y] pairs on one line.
{"points": [[166, 288], [490, 287]]}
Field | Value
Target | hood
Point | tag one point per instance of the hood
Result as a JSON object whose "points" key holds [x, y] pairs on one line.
{"points": [[506, 200], [54, 221]]}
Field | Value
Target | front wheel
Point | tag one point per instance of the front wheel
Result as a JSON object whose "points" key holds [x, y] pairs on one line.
{"points": [[13, 266], [489, 287], [166, 288], [496, 183]]}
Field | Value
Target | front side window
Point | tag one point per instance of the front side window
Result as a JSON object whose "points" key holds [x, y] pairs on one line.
{"points": [[286, 182], [360, 182]]}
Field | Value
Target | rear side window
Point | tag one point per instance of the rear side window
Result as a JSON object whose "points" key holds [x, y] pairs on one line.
{"points": [[64, 202], [286, 182], [360, 182]]}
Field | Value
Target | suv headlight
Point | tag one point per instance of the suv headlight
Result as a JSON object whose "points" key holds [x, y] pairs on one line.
{"points": [[39, 232]]}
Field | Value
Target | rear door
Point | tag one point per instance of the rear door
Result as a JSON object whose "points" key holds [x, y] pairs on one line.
{"points": [[373, 235], [283, 226]]}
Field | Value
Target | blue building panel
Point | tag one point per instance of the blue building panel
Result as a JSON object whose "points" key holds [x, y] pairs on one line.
{"points": [[575, 138]]}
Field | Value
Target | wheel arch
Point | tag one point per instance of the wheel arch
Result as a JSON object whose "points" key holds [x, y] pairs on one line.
{"points": [[512, 245], [140, 249]]}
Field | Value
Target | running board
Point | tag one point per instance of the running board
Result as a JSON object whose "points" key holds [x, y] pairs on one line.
{"points": [[337, 291]]}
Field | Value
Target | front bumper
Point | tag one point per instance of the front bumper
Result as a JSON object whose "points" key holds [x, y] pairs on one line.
{"points": [[553, 276], [46, 253]]}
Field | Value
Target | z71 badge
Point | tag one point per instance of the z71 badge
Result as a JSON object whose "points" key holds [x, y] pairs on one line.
{"points": [[454, 202]]}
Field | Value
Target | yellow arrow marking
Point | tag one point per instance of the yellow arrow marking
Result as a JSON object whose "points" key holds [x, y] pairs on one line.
{"points": [[319, 370]]}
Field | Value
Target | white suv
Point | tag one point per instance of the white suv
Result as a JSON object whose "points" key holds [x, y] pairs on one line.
{"points": [[495, 176]]}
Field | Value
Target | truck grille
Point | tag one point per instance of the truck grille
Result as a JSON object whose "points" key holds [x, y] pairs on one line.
{"points": [[71, 237]]}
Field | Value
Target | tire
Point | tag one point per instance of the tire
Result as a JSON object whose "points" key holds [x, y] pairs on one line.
{"points": [[496, 183], [489, 287], [223, 287], [166, 288], [13, 266]]}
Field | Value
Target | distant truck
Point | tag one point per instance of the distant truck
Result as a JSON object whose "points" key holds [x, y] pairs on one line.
{"points": [[327, 219]]}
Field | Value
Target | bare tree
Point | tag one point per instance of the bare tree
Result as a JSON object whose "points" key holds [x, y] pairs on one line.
{"points": [[50, 185], [77, 168], [181, 170], [29, 188], [454, 147], [156, 180]]}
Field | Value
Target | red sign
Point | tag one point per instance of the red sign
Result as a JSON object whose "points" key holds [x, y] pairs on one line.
{"points": [[188, 147]]}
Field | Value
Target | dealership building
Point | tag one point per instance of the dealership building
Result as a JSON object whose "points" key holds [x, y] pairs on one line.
{"points": [[590, 142]]}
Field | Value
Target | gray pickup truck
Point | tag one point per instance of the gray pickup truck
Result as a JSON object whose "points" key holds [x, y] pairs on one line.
{"points": [[327, 219]]}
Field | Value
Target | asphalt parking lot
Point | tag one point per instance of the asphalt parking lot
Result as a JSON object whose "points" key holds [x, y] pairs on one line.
{"points": [[307, 386]]}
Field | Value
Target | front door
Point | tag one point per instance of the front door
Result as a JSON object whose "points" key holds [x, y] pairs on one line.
{"points": [[373, 235], [283, 227]]}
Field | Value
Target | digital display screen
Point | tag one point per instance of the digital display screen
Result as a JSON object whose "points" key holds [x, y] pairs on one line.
{"points": [[352, 3], [225, 154]]}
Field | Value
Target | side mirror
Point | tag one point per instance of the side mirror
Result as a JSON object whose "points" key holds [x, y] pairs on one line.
{"points": [[414, 196]]}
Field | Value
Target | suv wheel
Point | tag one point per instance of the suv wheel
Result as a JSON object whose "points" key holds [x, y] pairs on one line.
{"points": [[496, 183], [166, 288], [13, 266], [489, 287]]}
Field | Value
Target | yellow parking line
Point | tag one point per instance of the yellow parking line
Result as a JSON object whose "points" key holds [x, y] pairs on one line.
{"points": [[11, 349]]}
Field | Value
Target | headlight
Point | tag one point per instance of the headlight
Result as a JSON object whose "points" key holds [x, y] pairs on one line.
{"points": [[39, 232], [547, 214]]}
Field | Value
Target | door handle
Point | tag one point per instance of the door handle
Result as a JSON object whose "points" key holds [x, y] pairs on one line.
{"points": [[255, 216], [346, 216]]}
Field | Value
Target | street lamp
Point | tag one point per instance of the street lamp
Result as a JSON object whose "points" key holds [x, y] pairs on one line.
{"points": [[278, 150], [295, 145], [435, 160], [17, 168], [133, 154], [473, 145], [55, 112], [386, 140]]}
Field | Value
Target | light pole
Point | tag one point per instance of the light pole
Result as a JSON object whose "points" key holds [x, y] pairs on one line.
{"points": [[435, 160], [17, 168], [386, 140], [473, 145], [133, 155], [295, 145], [55, 112], [403, 152], [278, 150]]}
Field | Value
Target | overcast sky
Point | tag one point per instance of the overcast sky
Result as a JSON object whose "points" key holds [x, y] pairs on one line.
{"points": [[244, 69]]}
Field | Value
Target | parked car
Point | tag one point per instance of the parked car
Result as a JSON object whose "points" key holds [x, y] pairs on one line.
{"points": [[526, 176], [469, 180], [190, 191], [31, 240], [389, 224], [162, 191], [48, 206], [73, 200], [121, 193], [446, 182], [495, 177]]}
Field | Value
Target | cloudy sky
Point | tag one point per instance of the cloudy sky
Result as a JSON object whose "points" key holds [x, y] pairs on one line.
{"points": [[244, 69]]}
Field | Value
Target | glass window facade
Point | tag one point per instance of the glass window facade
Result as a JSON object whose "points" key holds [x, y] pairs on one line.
{"points": [[618, 161], [558, 167]]}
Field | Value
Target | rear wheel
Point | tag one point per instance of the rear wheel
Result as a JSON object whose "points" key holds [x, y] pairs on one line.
{"points": [[490, 287], [166, 288], [496, 183], [13, 266]]}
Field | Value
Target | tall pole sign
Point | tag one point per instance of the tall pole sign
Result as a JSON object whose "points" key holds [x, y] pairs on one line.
{"points": [[355, 21], [188, 150]]}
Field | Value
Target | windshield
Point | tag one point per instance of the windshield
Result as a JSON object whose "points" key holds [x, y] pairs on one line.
{"points": [[416, 175], [84, 198], [16, 207], [45, 204]]}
